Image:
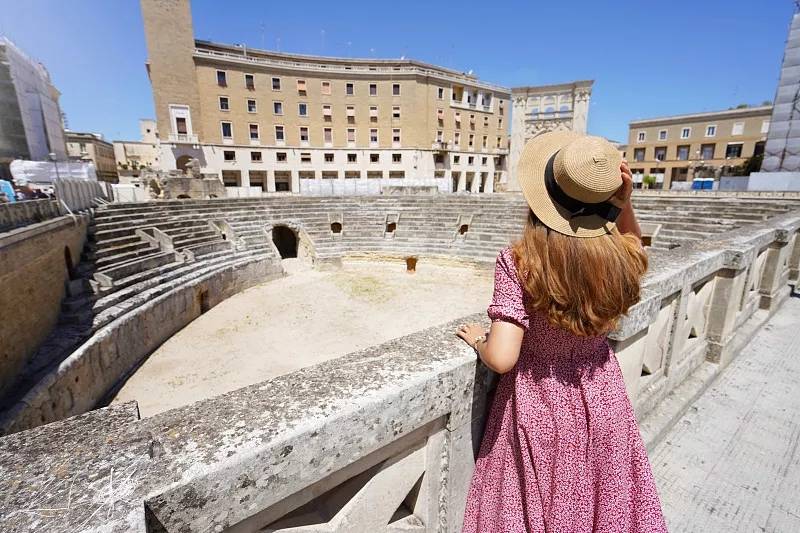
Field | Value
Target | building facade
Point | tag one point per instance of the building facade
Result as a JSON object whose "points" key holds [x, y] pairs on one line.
{"points": [[680, 148], [537, 110], [284, 122], [92, 147], [134, 156], [30, 117]]}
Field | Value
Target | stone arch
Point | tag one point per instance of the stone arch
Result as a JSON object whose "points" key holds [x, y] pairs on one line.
{"points": [[285, 240], [182, 161], [289, 240]]}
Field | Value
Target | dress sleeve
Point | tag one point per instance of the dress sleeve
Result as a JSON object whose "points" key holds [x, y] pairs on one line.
{"points": [[507, 303]]}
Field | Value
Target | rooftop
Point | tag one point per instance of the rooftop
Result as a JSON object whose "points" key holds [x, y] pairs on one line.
{"points": [[726, 113]]}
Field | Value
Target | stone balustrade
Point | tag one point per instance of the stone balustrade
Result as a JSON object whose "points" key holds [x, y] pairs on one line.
{"points": [[382, 439]]}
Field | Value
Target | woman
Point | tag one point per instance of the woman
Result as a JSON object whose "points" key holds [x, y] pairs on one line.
{"points": [[561, 451]]}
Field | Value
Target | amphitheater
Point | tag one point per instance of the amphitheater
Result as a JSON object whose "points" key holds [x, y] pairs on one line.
{"points": [[364, 428]]}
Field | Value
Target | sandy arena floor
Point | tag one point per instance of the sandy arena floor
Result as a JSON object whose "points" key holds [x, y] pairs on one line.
{"points": [[300, 320]]}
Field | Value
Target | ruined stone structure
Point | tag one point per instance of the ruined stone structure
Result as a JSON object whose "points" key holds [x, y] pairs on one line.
{"points": [[379, 440], [537, 110]]}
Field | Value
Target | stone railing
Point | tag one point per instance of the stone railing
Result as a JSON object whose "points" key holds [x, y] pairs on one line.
{"points": [[28, 212], [379, 440]]}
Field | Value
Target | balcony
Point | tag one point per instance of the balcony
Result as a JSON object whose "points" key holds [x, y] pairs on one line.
{"points": [[183, 138], [440, 145]]}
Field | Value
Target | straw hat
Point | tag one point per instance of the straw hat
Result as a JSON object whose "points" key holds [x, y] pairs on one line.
{"points": [[567, 179]]}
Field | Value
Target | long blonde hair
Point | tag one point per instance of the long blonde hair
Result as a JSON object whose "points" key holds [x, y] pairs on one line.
{"points": [[582, 285]]}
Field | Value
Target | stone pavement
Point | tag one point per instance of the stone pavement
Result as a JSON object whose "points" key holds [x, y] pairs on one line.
{"points": [[732, 463]]}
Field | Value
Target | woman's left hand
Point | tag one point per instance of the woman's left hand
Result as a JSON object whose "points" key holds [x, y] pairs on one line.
{"points": [[623, 195], [470, 332]]}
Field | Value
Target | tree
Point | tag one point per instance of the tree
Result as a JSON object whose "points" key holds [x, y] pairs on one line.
{"points": [[648, 181]]}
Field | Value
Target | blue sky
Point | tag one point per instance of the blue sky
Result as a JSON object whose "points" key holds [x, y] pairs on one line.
{"points": [[648, 58]]}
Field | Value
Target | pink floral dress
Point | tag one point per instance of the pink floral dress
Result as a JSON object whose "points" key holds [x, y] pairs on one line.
{"points": [[561, 452]]}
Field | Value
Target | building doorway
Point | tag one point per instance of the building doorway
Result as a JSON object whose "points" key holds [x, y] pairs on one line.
{"points": [[182, 161], [285, 240]]}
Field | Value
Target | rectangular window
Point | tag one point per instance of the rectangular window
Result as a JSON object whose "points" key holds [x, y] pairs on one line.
{"points": [[661, 153], [457, 117], [352, 174], [373, 113], [397, 174], [685, 133], [456, 159], [395, 89], [396, 136], [351, 135], [440, 115], [304, 134], [229, 155], [499, 123], [374, 158], [707, 151], [327, 111], [662, 135], [457, 138], [683, 152], [397, 158], [373, 89], [352, 158], [471, 140], [711, 130], [638, 154], [224, 104], [277, 108], [222, 78], [471, 160], [373, 137], [738, 128], [499, 142], [251, 105], [641, 137], [327, 135], [305, 158], [439, 136], [472, 122], [349, 89], [255, 157], [227, 130], [254, 132], [440, 93], [280, 157], [326, 87], [485, 142], [330, 175], [374, 174], [279, 134], [249, 81], [329, 157], [395, 112], [734, 150], [485, 121], [301, 87], [180, 126], [351, 111], [302, 109], [484, 161], [276, 84]]}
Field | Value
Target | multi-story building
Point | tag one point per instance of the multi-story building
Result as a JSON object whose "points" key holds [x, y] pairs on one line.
{"points": [[30, 117], [286, 122], [683, 147], [133, 156], [92, 147], [564, 106]]}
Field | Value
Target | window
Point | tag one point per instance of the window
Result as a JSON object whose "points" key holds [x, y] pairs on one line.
{"points": [[499, 142], [224, 104], [638, 154], [276, 84], [305, 158], [396, 136], [255, 157], [279, 135], [374, 174], [471, 160], [229, 155], [472, 122], [351, 135], [683, 152], [457, 118], [661, 153], [227, 130], [484, 161], [707, 151], [330, 175], [251, 105], [280, 157], [738, 128], [249, 81], [327, 135], [326, 87], [374, 158], [501, 108], [471, 140], [373, 89], [641, 137], [222, 78], [764, 126], [440, 93], [352, 158], [486, 121], [440, 115], [350, 111], [457, 138], [499, 123], [439, 136], [395, 112], [329, 157], [373, 137], [327, 112], [456, 159], [302, 109], [438, 159], [711, 130], [180, 125], [301, 87], [373, 113], [685, 133], [352, 174], [662, 135], [397, 174], [485, 142], [254, 132], [395, 89], [397, 158], [733, 150], [349, 89]]}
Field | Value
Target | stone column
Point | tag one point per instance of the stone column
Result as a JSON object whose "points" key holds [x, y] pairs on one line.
{"points": [[723, 311], [295, 177], [773, 286], [270, 181]]}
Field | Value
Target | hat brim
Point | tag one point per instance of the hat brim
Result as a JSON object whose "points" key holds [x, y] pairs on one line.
{"points": [[531, 177]]}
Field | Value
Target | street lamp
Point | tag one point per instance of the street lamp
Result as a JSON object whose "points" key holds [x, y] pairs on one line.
{"points": [[54, 159]]}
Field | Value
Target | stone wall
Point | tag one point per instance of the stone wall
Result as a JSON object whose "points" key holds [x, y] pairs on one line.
{"points": [[382, 439], [33, 275], [23, 213]]}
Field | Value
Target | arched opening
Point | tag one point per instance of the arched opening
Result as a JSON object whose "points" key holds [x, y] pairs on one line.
{"points": [[183, 197], [285, 241], [68, 262], [464, 228], [391, 227], [181, 162], [336, 227]]}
